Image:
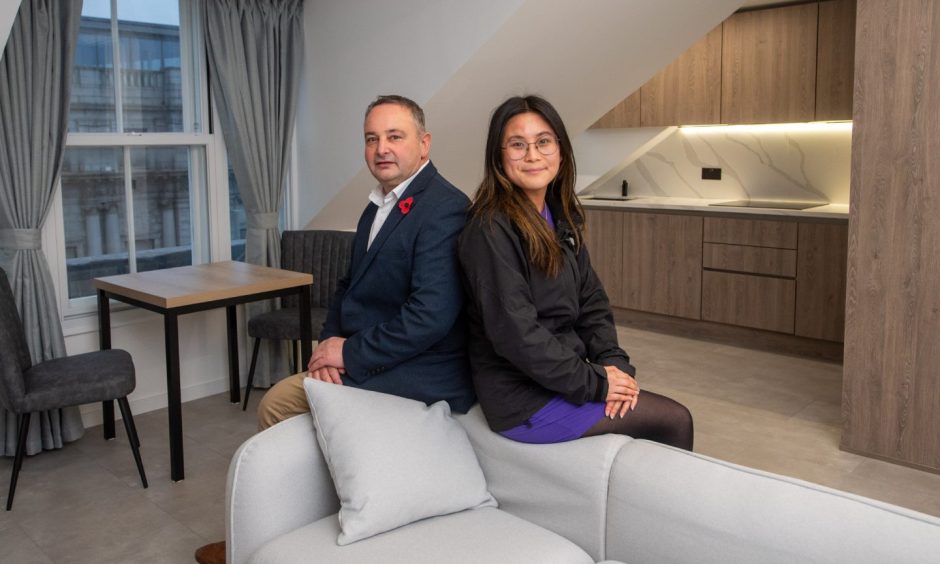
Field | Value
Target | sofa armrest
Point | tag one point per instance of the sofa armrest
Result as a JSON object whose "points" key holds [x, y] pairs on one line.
{"points": [[668, 505], [561, 487], [277, 481]]}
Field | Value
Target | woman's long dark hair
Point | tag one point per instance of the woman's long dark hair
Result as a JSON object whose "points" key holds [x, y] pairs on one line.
{"points": [[497, 192]]}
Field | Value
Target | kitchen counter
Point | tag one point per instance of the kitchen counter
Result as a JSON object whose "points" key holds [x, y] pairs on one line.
{"points": [[839, 212]]}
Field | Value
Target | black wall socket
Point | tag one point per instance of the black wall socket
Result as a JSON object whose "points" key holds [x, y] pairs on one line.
{"points": [[711, 173]]}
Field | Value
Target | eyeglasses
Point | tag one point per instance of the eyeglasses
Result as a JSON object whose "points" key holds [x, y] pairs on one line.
{"points": [[518, 149]]}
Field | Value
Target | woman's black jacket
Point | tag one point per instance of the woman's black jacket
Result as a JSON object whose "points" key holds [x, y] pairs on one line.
{"points": [[533, 337]]}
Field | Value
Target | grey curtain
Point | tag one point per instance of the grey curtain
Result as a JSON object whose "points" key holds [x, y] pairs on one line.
{"points": [[35, 79], [255, 50]]}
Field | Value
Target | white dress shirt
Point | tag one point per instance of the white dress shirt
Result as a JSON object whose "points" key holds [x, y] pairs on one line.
{"points": [[386, 203]]}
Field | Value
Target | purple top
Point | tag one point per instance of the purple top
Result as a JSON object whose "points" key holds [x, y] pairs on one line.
{"points": [[547, 214]]}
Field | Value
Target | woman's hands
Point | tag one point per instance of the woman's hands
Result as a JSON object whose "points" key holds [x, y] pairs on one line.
{"points": [[622, 392]]}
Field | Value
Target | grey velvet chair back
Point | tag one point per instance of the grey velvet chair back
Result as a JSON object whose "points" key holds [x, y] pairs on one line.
{"points": [[324, 254], [14, 352]]}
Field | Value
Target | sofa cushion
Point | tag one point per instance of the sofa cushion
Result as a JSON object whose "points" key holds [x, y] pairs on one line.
{"points": [[480, 535], [668, 505], [393, 460]]}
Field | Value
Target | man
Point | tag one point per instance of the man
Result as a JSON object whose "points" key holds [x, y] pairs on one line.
{"points": [[395, 323]]}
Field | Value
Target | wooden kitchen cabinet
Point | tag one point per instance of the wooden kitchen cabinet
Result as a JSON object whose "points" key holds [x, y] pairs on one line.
{"points": [[625, 114], [835, 60], [749, 270], [662, 264], [779, 275], [773, 65], [768, 65], [761, 302], [688, 91], [603, 237], [821, 281], [752, 232]]}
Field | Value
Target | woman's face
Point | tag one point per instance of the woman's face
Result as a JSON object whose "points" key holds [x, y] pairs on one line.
{"points": [[532, 170]]}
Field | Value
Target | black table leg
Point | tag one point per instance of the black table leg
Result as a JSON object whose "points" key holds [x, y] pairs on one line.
{"points": [[104, 343], [231, 326], [306, 349], [174, 404]]}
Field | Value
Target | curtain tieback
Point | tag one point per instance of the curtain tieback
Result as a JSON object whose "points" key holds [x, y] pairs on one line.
{"points": [[21, 239], [263, 220]]}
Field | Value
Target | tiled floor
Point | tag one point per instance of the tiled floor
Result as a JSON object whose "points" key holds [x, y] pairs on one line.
{"points": [[84, 502]]}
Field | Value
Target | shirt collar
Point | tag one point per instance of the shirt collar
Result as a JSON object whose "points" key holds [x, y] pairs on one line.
{"points": [[379, 198]]}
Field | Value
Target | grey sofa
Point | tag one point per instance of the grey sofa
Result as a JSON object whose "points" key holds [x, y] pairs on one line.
{"points": [[607, 497]]}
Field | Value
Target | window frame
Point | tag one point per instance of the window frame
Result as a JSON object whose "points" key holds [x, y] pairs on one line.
{"points": [[209, 190]]}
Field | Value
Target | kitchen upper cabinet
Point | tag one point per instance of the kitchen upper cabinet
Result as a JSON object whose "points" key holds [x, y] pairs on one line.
{"points": [[603, 237], [835, 60], [688, 91], [768, 65], [776, 65], [821, 281], [625, 114], [662, 264]]}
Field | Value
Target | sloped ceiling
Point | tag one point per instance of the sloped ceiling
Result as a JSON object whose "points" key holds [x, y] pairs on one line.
{"points": [[460, 60]]}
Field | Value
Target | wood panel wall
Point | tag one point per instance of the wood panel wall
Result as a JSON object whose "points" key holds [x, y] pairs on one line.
{"points": [[891, 383]]}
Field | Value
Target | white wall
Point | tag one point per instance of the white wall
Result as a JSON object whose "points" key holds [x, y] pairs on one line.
{"points": [[358, 49], [8, 9], [589, 56]]}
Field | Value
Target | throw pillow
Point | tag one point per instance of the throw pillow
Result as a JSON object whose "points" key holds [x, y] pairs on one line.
{"points": [[393, 460]]}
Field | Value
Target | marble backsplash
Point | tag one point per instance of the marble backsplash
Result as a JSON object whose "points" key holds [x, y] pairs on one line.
{"points": [[797, 162]]}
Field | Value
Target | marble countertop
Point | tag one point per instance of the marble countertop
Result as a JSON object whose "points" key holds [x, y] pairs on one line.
{"points": [[828, 211]]}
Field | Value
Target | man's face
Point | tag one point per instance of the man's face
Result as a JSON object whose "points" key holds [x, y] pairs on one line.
{"points": [[395, 149]]}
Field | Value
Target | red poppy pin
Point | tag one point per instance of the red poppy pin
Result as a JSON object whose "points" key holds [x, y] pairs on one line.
{"points": [[405, 205]]}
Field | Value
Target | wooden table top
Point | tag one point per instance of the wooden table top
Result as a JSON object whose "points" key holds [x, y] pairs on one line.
{"points": [[200, 283]]}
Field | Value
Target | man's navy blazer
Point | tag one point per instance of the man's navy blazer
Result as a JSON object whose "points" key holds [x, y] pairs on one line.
{"points": [[400, 307]]}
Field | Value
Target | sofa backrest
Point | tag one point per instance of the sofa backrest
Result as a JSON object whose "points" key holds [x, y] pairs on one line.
{"points": [[668, 505], [561, 487]]}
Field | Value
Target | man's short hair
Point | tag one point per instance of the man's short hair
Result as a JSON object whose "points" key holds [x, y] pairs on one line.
{"points": [[416, 112]]}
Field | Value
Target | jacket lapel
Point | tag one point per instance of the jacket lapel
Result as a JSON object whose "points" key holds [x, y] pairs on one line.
{"points": [[417, 186]]}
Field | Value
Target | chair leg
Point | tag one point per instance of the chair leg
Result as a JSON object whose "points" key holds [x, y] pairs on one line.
{"points": [[132, 437], [251, 371], [132, 432], [20, 454], [295, 364]]}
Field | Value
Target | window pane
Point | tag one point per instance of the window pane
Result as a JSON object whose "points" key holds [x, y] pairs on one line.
{"points": [[236, 214], [95, 216], [92, 99], [151, 77], [162, 219]]}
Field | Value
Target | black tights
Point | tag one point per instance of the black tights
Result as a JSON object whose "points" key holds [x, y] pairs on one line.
{"points": [[656, 418]]}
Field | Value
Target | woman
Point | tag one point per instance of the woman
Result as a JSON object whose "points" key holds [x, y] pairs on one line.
{"points": [[543, 346]]}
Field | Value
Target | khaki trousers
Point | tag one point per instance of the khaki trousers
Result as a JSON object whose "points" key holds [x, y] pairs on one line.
{"points": [[284, 400]]}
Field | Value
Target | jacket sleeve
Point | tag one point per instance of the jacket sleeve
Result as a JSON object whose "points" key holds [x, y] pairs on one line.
{"points": [[495, 265], [595, 326], [431, 309]]}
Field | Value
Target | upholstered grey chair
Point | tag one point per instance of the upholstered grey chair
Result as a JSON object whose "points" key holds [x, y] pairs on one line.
{"points": [[26, 388], [325, 255]]}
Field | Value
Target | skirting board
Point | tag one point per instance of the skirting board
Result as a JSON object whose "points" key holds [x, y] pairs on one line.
{"points": [[91, 413]]}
